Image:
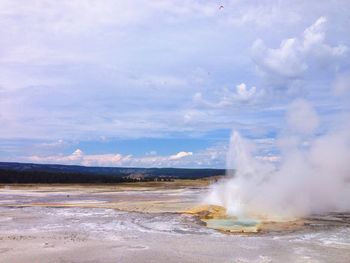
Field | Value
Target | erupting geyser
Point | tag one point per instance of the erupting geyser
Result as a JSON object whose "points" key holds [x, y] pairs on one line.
{"points": [[312, 176]]}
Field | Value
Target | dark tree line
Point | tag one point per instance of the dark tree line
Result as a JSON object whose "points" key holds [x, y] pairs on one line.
{"points": [[33, 177], [22, 173]]}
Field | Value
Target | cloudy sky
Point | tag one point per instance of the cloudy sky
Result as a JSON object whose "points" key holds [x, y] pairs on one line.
{"points": [[163, 83]]}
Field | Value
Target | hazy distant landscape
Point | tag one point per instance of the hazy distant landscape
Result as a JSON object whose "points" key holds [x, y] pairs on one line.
{"points": [[16, 173]]}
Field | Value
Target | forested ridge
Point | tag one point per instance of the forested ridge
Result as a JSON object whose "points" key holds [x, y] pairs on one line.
{"points": [[11, 173]]}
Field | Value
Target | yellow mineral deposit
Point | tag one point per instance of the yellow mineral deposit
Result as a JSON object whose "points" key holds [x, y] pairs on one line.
{"points": [[216, 217]]}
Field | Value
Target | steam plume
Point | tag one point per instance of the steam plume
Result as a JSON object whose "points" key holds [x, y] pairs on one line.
{"points": [[310, 178]]}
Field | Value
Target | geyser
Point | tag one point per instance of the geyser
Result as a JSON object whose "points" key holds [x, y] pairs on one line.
{"points": [[312, 176]]}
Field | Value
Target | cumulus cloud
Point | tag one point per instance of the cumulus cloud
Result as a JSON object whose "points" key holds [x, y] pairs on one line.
{"points": [[283, 61], [294, 56], [241, 94], [138, 77], [180, 155], [81, 158], [213, 156]]}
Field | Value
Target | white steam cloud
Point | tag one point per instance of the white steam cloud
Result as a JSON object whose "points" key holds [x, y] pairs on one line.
{"points": [[310, 178]]}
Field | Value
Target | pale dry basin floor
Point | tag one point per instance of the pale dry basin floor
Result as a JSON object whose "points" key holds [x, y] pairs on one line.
{"points": [[144, 223]]}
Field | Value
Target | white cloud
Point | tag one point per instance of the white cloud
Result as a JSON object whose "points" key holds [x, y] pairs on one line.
{"points": [[228, 98], [79, 157], [284, 61], [294, 55], [180, 155], [243, 93], [210, 157], [81, 70]]}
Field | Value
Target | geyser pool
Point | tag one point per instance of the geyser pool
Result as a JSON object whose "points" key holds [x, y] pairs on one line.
{"points": [[233, 225]]}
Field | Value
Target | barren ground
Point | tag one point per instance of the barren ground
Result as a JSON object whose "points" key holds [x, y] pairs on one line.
{"points": [[145, 223]]}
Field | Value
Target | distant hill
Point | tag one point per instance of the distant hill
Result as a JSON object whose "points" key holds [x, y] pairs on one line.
{"points": [[53, 173]]}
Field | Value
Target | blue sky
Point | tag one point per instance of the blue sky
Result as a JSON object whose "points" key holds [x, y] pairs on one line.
{"points": [[163, 83]]}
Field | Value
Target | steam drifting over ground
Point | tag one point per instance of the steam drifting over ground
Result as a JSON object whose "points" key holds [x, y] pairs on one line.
{"points": [[313, 175]]}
